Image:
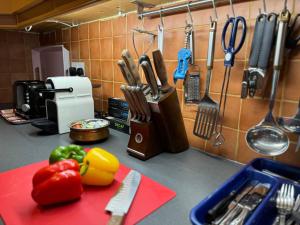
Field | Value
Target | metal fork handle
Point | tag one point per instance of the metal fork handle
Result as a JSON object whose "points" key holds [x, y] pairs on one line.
{"points": [[231, 215], [241, 217], [282, 219]]}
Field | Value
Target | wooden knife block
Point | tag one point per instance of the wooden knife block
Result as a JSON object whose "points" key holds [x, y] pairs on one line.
{"points": [[167, 117], [144, 142]]}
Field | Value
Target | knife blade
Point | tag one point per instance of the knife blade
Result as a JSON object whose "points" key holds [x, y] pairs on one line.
{"points": [[128, 59], [126, 74], [130, 102], [120, 203], [161, 70], [150, 77]]}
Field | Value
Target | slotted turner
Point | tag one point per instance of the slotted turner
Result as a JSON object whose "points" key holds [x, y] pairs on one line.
{"points": [[208, 109]]}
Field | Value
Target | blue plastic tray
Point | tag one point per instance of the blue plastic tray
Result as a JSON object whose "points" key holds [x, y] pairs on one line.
{"points": [[266, 212]]}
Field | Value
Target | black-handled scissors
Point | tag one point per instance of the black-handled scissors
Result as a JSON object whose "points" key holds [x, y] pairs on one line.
{"points": [[230, 50], [291, 40]]}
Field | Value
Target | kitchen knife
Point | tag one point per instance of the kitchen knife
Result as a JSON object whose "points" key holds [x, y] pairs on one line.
{"points": [[234, 203], [150, 77], [143, 103], [221, 207], [130, 102], [120, 203], [161, 70], [135, 100], [126, 74], [139, 101], [126, 56]]}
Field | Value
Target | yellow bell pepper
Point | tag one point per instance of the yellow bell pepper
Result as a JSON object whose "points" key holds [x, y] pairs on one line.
{"points": [[99, 167]]}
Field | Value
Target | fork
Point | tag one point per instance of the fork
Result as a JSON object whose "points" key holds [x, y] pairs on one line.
{"points": [[285, 201], [295, 213]]}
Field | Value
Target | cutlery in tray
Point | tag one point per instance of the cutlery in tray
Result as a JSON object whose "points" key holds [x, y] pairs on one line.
{"points": [[261, 193]]}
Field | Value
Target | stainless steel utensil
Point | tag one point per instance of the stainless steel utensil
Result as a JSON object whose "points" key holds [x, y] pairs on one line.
{"points": [[277, 175], [291, 124], [250, 202], [143, 103], [266, 137], [120, 203], [208, 109], [285, 202], [295, 217]]}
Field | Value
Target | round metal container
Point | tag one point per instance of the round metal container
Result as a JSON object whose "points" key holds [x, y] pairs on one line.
{"points": [[90, 134]]}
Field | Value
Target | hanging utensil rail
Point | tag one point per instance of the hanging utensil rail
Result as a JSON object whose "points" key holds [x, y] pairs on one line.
{"points": [[193, 5]]}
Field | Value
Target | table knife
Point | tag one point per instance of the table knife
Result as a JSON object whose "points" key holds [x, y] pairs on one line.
{"points": [[161, 70], [126, 56], [120, 203]]}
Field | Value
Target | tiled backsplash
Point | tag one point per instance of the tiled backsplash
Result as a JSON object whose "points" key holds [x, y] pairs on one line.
{"points": [[99, 45], [15, 60]]}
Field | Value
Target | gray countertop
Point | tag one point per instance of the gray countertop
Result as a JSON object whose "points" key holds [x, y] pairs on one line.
{"points": [[191, 174]]}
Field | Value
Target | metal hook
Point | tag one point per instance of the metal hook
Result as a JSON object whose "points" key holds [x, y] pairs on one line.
{"points": [[264, 8], [285, 6], [232, 9], [161, 19], [215, 10], [190, 14]]}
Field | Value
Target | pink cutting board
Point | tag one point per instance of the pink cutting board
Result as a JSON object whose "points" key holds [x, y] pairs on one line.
{"points": [[18, 208]]}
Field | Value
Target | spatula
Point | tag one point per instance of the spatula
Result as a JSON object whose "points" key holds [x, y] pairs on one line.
{"points": [[208, 109]]}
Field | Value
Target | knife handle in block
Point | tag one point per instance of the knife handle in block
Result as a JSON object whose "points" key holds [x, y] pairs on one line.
{"points": [[116, 220], [128, 59], [161, 70]]}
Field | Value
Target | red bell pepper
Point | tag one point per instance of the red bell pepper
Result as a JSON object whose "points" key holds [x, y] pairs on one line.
{"points": [[56, 183]]}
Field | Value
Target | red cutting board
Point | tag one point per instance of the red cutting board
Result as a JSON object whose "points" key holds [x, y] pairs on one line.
{"points": [[18, 208]]}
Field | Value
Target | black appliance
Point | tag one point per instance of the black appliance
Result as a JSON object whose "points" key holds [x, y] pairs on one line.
{"points": [[28, 101]]}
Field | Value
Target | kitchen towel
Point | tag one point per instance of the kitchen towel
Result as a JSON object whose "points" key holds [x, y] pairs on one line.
{"points": [[18, 208]]}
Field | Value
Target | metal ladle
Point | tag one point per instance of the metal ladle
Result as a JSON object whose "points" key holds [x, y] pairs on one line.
{"points": [[267, 138], [291, 124]]}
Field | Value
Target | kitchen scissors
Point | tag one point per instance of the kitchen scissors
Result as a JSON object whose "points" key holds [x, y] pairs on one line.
{"points": [[230, 49]]}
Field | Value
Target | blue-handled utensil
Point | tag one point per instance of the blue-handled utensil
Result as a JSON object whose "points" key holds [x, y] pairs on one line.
{"points": [[230, 49]]}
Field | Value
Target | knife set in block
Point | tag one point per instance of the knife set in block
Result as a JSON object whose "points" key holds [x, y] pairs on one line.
{"points": [[156, 120]]}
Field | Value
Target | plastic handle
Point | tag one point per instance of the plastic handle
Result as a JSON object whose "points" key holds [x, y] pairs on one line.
{"points": [[257, 40], [220, 208], [268, 37], [231, 50]]}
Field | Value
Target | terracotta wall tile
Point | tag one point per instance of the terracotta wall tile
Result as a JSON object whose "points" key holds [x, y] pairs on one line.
{"points": [[105, 106], [5, 80], [98, 105], [17, 66], [94, 30], [117, 91], [106, 28], [119, 26], [175, 21], [74, 34], [66, 35], [193, 140], [118, 77], [189, 111], [235, 77], [96, 69], [84, 50], [97, 92], [132, 22], [14, 37], [106, 48], [83, 31], [171, 67], [107, 90], [4, 53], [6, 95], [75, 50], [174, 41], [119, 44], [107, 70], [139, 44], [94, 46], [227, 150], [290, 156], [291, 91], [58, 36], [253, 111], [201, 42]]}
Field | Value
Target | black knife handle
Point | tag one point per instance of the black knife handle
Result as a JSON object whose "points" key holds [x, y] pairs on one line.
{"points": [[244, 91], [257, 40], [220, 208], [269, 34]]}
